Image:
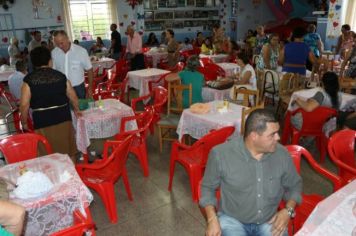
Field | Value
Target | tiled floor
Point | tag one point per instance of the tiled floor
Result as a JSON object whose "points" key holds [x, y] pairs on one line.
{"points": [[156, 211]]}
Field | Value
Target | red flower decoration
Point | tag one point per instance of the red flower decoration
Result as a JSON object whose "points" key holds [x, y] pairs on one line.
{"points": [[140, 32], [121, 24], [133, 22], [5, 39], [335, 24]]}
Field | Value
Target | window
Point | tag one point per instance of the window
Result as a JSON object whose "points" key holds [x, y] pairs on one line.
{"points": [[90, 18]]}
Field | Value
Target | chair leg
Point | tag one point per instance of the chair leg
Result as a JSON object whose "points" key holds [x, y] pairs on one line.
{"points": [[142, 150], [125, 179], [171, 174], [107, 194], [160, 138], [194, 177], [295, 138]]}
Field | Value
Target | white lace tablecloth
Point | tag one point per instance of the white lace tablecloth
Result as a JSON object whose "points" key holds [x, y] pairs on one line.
{"points": [[216, 58], [198, 125], [54, 210], [334, 216], [156, 57], [101, 122], [4, 76], [139, 79], [103, 63], [210, 94], [229, 68]]}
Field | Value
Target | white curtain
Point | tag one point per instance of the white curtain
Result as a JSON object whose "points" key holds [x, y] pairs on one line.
{"points": [[67, 18], [350, 17], [112, 4]]}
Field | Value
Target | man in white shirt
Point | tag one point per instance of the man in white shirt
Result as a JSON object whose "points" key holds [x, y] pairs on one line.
{"points": [[35, 42], [72, 60], [16, 79]]}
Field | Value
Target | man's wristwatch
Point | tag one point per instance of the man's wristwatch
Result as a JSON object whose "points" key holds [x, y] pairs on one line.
{"points": [[291, 212]]}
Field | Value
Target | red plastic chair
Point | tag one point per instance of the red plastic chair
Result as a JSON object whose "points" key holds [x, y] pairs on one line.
{"points": [[179, 67], [21, 147], [103, 86], [211, 71], [114, 90], [204, 61], [138, 146], [309, 201], [81, 225], [313, 123], [159, 97], [12, 104], [122, 67], [160, 81], [341, 149], [103, 174], [193, 158]]}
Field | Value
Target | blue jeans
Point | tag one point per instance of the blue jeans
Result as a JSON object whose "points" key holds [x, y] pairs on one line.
{"points": [[80, 90], [232, 227]]}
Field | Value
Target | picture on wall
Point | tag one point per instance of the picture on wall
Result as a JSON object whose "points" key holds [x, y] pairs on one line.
{"points": [[190, 3], [164, 15]]}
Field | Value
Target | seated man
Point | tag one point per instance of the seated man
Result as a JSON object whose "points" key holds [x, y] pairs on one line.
{"points": [[16, 79], [11, 217], [253, 172]]}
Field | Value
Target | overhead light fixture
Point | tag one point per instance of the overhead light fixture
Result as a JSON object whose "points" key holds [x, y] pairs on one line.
{"points": [[283, 1]]}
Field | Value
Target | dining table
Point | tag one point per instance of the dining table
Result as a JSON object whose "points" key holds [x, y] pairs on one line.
{"points": [[103, 63], [231, 69], [216, 58], [4, 75], [211, 94], [334, 216], [347, 101], [156, 56], [139, 79], [51, 210], [101, 121], [198, 125]]}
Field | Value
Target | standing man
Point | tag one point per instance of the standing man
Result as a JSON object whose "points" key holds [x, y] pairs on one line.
{"points": [[253, 172], [115, 47], [16, 79], [72, 60], [134, 49], [35, 42]]}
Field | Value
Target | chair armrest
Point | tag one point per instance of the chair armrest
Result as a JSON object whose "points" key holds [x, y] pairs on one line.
{"points": [[134, 101], [124, 120]]}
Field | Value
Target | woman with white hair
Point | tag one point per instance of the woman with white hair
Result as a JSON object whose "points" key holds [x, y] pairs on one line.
{"points": [[14, 51]]}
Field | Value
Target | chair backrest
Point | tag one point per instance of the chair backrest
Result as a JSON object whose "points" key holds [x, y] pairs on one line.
{"points": [[111, 165], [211, 71], [175, 97], [297, 152], [81, 225], [179, 67], [314, 121], [255, 59], [341, 149], [160, 97], [143, 121], [205, 60], [121, 69], [289, 83], [249, 97], [21, 147], [244, 114], [213, 138], [270, 81]]}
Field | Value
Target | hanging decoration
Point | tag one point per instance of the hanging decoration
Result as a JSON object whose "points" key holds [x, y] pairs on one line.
{"points": [[5, 3], [37, 4], [133, 3], [333, 25]]}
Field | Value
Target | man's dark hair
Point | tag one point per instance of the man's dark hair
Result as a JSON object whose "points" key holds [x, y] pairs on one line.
{"points": [[36, 32], [346, 27], [40, 56], [20, 66], [60, 32], [114, 25], [257, 121], [299, 32]]}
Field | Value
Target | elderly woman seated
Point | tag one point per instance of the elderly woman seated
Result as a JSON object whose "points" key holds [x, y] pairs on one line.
{"points": [[190, 75]]}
